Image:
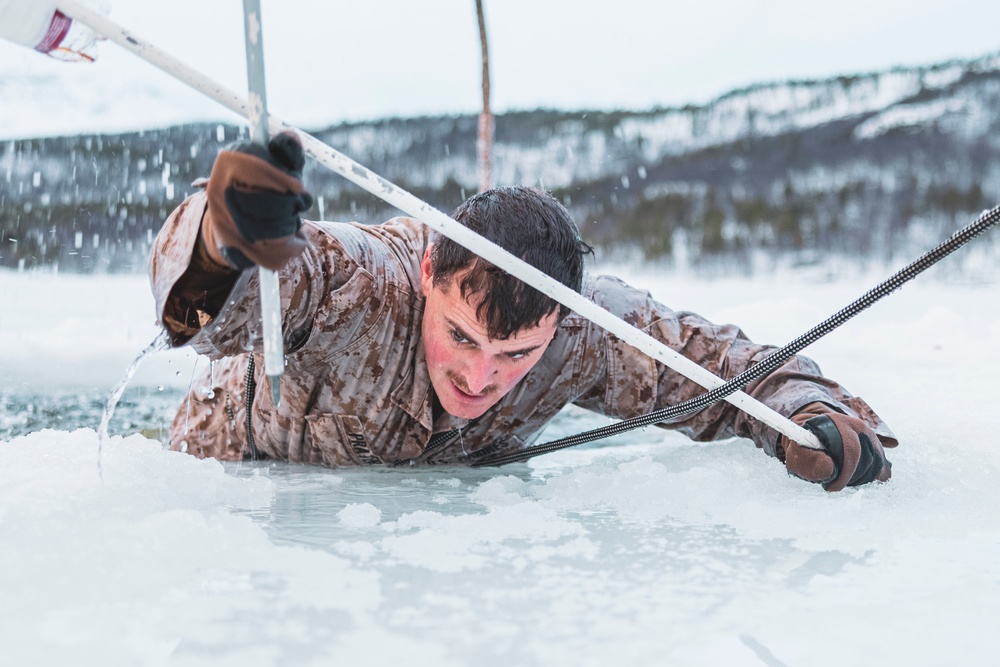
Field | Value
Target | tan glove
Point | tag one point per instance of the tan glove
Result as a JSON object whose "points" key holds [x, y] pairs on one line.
{"points": [[853, 454], [255, 197]]}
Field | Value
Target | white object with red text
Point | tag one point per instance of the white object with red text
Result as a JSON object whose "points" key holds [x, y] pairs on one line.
{"points": [[41, 26]]}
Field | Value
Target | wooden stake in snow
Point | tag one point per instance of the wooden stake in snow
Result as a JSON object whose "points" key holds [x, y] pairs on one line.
{"points": [[485, 142]]}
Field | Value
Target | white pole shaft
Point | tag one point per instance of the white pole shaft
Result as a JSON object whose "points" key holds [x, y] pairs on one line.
{"points": [[380, 187], [270, 289]]}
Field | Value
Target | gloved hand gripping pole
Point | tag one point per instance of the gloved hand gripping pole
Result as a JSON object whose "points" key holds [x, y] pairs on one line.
{"points": [[270, 294]]}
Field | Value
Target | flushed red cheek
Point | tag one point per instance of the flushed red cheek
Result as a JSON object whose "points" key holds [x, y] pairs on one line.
{"points": [[436, 357]]}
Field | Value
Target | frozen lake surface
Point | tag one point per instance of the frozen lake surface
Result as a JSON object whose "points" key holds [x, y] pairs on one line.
{"points": [[647, 550]]}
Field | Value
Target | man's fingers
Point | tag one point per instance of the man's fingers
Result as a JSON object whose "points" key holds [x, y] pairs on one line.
{"points": [[886, 472], [286, 149], [851, 448], [810, 464], [866, 461], [871, 462]]}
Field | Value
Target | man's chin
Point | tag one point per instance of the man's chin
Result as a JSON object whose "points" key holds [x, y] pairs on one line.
{"points": [[467, 410]]}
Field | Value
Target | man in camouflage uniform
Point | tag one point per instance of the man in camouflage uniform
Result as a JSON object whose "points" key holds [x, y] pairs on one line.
{"points": [[393, 336]]}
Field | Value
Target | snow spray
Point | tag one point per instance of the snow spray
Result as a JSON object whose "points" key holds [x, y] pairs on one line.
{"points": [[161, 342]]}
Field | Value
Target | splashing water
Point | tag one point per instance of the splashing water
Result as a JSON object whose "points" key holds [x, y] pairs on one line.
{"points": [[161, 342]]}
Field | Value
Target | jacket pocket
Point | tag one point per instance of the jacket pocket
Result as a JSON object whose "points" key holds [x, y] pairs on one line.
{"points": [[344, 319], [338, 441]]}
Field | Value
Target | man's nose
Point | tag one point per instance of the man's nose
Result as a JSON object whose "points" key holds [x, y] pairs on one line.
{"points": [[479, 374]]}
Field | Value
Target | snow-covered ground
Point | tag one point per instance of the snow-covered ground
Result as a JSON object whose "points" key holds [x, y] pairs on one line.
{"points": [[653, 550]]}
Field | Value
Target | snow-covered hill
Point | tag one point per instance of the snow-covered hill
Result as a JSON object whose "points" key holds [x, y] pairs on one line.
{"points": [[875, 164]]}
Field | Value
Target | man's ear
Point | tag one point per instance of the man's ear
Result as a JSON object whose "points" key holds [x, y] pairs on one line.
{"points": [[426, 277]]}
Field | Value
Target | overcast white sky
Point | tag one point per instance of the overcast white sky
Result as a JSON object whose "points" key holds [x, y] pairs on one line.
{"points": [[353, 59]]}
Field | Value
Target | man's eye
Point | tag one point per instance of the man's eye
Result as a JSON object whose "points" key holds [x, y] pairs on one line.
{"points": [[517, 355], [458, 336]]}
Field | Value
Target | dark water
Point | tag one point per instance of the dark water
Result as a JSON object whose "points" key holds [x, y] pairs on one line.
{"points": [[151, 410], [142, 409]]}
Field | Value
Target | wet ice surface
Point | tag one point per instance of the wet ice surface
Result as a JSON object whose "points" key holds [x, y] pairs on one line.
{"points": [[652, 550], [24, 411]]}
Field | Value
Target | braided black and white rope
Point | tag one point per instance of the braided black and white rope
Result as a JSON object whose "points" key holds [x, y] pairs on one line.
{"points": [[251, 389]]}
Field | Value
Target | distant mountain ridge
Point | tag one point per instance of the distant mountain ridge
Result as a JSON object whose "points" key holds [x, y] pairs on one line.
{"points": [[866, 166]]}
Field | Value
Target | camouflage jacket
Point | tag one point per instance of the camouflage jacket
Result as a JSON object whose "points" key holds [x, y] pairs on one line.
{"points": [[356, 389]]}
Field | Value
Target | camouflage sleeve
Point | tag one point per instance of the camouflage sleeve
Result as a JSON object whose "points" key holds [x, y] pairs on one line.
{"points": [[217, 310], [630, 383]]}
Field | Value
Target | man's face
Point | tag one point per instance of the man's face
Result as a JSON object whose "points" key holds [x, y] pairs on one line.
{"points": [[469, 371]]}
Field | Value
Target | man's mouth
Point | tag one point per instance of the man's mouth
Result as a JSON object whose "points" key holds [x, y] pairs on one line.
{"points": [[467, 395]]}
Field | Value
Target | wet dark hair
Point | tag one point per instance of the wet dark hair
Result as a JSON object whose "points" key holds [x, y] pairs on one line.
{"points": [[530, 224]]}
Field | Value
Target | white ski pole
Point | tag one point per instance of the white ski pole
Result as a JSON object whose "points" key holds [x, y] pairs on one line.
{"points": [[435, 219], [270, 293]]}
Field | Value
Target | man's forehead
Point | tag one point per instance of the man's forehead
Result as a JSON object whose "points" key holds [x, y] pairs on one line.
{"points": [[462, 312]]}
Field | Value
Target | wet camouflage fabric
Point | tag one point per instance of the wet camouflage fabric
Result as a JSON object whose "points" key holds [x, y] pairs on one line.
{"points": [[356, 389]]}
